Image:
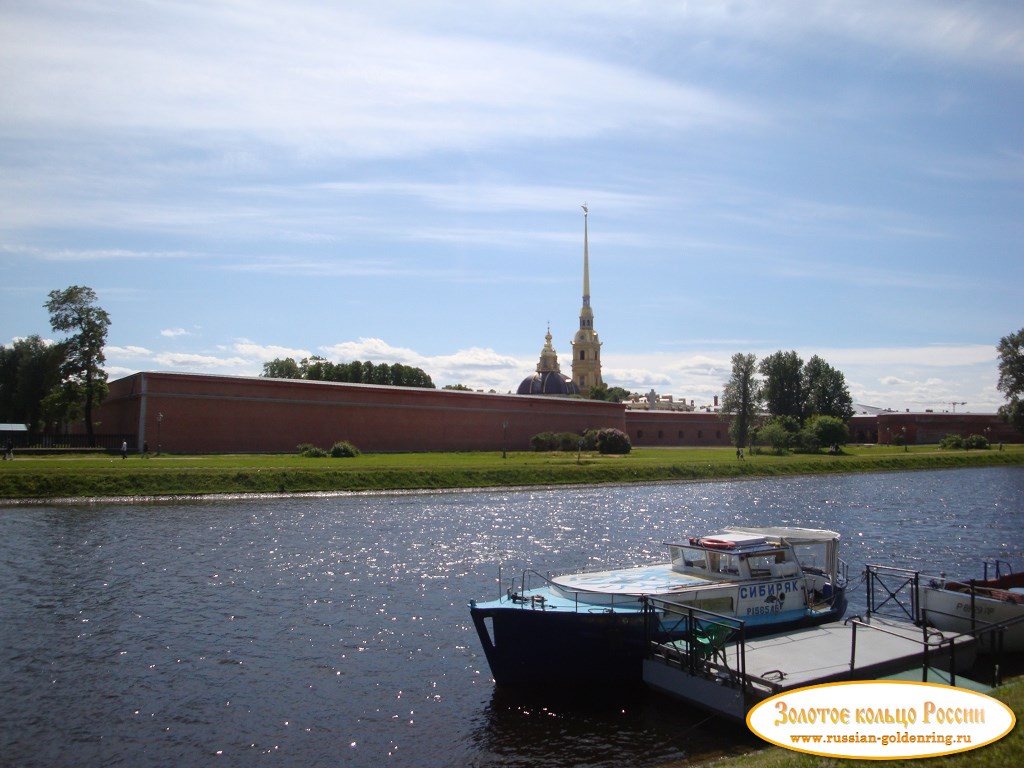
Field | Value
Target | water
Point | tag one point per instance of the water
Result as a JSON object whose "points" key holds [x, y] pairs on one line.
{"points": [[334, 630]]}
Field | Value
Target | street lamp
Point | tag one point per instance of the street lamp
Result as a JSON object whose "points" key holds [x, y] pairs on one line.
{"points": [[159, 421]]}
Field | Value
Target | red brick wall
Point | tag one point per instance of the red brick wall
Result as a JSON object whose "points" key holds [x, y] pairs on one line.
{"points": [[674, 428], [222, 414]]}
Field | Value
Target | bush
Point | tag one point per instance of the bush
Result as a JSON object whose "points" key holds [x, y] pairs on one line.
{"points": [[343, 450], [977, 442], [805, 441], [611, 440], [542, 441], [552, 441], [952, 442], [311, 451], [829, 430], [775, 435]]}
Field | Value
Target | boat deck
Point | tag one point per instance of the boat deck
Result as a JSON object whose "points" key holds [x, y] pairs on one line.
{"points": [[775, 663], [645, 580]]}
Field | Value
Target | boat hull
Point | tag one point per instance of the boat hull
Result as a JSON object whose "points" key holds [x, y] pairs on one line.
{"points": [[950, 607], [530, 647]]}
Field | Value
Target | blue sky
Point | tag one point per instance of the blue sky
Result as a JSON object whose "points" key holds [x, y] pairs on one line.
{"points": [[241, 180]]}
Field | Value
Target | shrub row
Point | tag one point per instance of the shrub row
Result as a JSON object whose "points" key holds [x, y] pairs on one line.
{"points": [[340, 450], [956, 442], [608, 440]]}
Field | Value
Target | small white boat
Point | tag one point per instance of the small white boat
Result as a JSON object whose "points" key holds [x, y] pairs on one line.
{"points": [[988, 607], [594, 628]]}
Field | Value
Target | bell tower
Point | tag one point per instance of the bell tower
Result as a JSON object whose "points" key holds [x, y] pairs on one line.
{"points": [[586, 348]]}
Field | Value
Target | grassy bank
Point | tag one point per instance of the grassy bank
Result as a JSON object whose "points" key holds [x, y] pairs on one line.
{"points": [[1006, 752], [171, 475]]}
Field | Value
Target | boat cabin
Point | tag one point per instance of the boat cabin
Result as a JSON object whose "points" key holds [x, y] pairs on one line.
{"points": [[737, 554]]}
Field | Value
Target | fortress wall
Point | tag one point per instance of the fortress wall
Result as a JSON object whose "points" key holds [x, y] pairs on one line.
{"points": [[223, 414], [226, 414]]}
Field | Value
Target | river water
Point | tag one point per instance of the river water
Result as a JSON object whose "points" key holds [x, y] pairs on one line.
{"points": [[334, 630]]}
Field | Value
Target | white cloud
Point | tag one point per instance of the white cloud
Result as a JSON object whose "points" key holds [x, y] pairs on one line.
{"points": [[126, 352], [174, 332], [263, 353], [323, 81], [182, 361]]}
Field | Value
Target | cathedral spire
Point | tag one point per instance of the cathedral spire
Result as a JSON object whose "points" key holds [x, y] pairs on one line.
{"points": [[586, 260], [586, 348]]}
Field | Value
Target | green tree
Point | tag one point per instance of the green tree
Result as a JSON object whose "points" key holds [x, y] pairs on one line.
{"points": [[279, 368], [83, 379], [29, 369], [317, 368], [1011, 377], [783, 384], [779, 433], [828, 430], [608, 394], [741, 399], [825, 391]]}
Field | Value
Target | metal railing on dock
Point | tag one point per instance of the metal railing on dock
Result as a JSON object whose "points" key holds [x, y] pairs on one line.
{"points": [[709, 654], [896, 593]]}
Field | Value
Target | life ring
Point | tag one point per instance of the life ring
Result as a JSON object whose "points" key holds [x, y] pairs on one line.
{"points": [[718, 543]]}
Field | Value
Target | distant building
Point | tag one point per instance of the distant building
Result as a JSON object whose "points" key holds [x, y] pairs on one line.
{"points": [[586, 347]]}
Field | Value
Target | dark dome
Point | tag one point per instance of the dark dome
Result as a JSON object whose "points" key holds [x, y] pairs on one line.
{"points": [[548, 383]]}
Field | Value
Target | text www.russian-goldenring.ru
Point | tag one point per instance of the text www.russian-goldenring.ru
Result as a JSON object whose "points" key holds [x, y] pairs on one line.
{"points": [[884, 740]]}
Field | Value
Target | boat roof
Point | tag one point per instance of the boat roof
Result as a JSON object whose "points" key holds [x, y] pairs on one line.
{"points": [[790, 534], [737, 538]]}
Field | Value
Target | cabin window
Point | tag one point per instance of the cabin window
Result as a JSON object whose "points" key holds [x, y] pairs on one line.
{"points": [[715, 604], [761, 564], [719, 562], [689, 558]]}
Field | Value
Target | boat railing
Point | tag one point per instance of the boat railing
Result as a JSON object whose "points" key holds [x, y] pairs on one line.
{"points": [[999, 568], [606, 603], [842, 572], [893, 592]]}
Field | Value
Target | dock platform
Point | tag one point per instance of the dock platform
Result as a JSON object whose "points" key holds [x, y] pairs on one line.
{"points": [[733, 678]]}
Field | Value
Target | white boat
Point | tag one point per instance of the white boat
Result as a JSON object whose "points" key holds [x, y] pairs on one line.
{"points": [[989, 607], [594, 627]]}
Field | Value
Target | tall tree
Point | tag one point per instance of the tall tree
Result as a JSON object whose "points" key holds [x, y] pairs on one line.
{"points": [[741, 400], [1011, 377], [825, 391], [783, 384], [74, 310]]}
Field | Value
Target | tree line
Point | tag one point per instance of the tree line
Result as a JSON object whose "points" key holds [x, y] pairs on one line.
{"points": [[786, 403], [46, 385], [317, 368]]}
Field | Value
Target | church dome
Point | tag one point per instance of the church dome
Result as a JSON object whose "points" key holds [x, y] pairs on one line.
{"points": [[547, 383], [548, 380]]}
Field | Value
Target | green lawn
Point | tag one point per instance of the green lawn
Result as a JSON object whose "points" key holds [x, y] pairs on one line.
{"points": [[105, 475]]}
